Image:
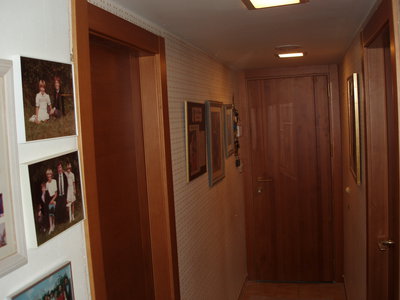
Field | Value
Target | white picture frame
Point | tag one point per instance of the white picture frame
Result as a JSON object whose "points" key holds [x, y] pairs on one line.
{"points": [[13, 252]]}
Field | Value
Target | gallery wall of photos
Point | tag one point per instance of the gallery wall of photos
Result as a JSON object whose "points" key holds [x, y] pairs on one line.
{"points": [[39, 134], [212, 133]]}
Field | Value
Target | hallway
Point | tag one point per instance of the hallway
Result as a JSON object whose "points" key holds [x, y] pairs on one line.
{"points": [[293, 291], [225, 152]]}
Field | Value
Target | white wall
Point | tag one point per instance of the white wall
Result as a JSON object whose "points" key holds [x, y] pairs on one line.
{"points": [[209, 221], [41, 29]]}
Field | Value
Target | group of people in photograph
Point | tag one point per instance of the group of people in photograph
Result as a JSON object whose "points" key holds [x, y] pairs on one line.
{"points": [[62, 291], [46, 108], [58, 195]]}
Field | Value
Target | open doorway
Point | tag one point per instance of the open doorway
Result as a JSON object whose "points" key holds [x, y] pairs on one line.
{"points": [[124, 140], [382, 156]]}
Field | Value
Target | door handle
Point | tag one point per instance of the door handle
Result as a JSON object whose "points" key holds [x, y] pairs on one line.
{"points": [[385, 245], [260, 179]]}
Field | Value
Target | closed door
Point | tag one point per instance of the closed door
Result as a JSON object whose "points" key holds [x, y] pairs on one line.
{"points": [[292, 179], [120, 170]]}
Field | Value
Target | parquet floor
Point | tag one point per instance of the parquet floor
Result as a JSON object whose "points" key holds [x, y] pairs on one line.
{"points": [[293, 291]]}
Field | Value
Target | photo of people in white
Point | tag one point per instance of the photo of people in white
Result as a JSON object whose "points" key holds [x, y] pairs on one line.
{"points": [[56, 195]]}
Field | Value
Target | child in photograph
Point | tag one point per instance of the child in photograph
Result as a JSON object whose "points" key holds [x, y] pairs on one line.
{"points": [[43, 211], [51, 187], [71, 192], [42, 104]]}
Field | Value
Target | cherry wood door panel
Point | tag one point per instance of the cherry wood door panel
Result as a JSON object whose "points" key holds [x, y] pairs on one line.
{"points": [[292, 178], [120, 171]]}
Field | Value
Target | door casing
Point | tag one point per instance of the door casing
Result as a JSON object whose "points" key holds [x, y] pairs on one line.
{"points": [[380, 21], [87, 19]]}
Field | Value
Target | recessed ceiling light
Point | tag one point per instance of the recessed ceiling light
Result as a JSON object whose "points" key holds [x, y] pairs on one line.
{"points": [[257, 4], [289, 55]]}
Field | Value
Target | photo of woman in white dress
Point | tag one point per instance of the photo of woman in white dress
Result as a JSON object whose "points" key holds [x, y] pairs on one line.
{"points": [[71, 192], [43, 105]]}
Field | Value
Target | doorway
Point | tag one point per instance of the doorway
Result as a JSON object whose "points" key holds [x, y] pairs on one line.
{"points": [[125, 147], [382, 156], [293, 202]]}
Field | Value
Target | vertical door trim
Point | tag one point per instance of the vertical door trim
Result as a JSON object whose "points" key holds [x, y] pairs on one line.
{"points": [[86, 19]]}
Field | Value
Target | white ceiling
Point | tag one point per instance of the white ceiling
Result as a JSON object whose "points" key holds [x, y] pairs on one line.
{"points": [[245, 39]]}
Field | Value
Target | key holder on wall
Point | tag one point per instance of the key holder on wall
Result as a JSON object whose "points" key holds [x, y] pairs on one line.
{"points": [[237, 131]]}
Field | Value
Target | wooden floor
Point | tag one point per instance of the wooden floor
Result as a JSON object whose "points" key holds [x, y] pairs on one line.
{"points": [[292, 291]]}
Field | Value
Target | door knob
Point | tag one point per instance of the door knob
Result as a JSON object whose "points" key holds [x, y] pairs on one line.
{"points": [[385, 245]]}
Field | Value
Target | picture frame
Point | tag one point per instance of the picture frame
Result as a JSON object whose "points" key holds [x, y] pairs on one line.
{"points": [[354, 126], [46, 99], [13, 252], [228, 130], [195, 132], [56, 195], [53, 284], [215, 148]]}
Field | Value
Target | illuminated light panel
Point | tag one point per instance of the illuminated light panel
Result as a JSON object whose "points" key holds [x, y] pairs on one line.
{"points": [[271, 3], [289, 55]]}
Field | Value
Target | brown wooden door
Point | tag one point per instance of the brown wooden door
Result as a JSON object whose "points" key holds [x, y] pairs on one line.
{"points": [[291, 170], [120, 170], [382, 169]]}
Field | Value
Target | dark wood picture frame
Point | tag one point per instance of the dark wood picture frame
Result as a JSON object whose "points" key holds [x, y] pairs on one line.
{"points": [[215, 148], [195, 131], [228, 130], [354, 126]]}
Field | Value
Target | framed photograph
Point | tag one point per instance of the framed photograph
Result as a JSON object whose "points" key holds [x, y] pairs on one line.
{"points": [[228, 130], [215, 148], [56, 195], [354, 127], [55, 285], [195, 128], [48, 99], [12, 234]]}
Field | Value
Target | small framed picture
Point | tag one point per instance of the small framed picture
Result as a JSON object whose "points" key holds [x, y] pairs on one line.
{"points": [[56, 195], [55, 285], [354, 127], [228, 130], [215, 148], [48, 99], [195, 129]]}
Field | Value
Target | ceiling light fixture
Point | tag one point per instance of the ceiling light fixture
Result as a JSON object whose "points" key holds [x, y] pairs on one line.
{"points": [[257, 4], [289, 55]]}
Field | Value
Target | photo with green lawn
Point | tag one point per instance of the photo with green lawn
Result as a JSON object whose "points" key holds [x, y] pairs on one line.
{"points": [[48, 96], [56, 195]]}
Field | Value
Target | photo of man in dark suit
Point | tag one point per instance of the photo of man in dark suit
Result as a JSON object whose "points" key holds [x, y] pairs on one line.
{"points": [[62, 188], [58, 99]]}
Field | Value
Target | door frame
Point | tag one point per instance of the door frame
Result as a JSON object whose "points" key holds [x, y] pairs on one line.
{"points": [[87, 18], [381, 19], [331, 71]]}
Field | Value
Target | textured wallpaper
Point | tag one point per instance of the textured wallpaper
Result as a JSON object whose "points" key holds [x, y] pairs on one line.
{"points": [[209, 221]]}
